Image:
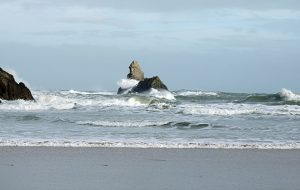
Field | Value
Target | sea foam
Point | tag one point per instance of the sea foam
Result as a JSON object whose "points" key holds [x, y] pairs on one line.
{"points": [[288, 95], [163, 94], [86, 93], [229, 109], [64, 101], [141, 123], [145, 144], [197, 93], [92, 119], [127, 83]]}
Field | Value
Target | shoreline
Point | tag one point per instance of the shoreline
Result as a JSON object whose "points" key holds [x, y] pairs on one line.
{"points": [[148, 168], [226, 146]]}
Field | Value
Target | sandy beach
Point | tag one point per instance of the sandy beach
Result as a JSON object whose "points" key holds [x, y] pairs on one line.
{"points": [[44, 168]]}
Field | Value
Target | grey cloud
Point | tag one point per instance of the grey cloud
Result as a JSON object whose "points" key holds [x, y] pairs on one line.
{"points": [[83, 20], [8, 1], [96, 21], [286, 26], [124, 34], [53, 33], [171, 5]]}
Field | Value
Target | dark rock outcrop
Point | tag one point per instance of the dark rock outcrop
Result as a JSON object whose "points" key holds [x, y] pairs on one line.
{"points": [[145, 84], [135, 71], [11, 90], [149, 83], [122, 90]]}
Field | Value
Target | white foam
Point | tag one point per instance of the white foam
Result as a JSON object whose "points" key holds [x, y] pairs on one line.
{"points": [[142, 123], [145, 144], [43, 101], [224, 110], [197, 93], [85, 93], [162, 94], [127, 83], [50, 100], [288, 95], [229, 109], [56, 102]]}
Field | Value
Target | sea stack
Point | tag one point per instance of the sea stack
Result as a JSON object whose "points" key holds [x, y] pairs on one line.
{"points": [[145, 84], [11, 90], [135, 71]]}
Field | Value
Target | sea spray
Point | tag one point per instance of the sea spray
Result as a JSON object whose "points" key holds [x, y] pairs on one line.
{"points": [[164, 94], [127, 83], [288, 95], [17, 77]]}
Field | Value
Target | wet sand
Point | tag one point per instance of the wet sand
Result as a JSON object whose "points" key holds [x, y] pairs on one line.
{"points": [[61, 168]]}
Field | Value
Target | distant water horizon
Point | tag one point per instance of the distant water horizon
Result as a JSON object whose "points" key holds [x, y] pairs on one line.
{"points": [[156, 119]]}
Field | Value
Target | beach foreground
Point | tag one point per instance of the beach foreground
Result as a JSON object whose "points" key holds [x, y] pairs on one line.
{"points": [[61, 168]]}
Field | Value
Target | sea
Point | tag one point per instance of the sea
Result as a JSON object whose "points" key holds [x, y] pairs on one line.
{"points": [[155, 119]]}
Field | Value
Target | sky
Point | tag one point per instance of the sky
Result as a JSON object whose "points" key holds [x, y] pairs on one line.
{"points": [[219, 45]]}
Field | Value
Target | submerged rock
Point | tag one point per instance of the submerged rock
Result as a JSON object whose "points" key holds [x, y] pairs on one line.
{"points": [[11, 90], [120, 91], [144, 84], [135, 71], [149, 83]]}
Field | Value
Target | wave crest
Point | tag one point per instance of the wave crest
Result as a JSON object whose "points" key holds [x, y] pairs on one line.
{"points": [[288, 95], [162, 94], [239, 109], [121, 123], [197, 93], [85, 92], [127, 83]]}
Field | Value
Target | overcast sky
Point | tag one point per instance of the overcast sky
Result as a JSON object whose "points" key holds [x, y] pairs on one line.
{"points": [[222, 45]]}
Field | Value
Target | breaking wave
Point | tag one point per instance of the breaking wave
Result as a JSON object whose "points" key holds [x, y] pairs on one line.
{"points": [[196, 93], [70, 100], [284, 97], [184, 125], [231, 109], [156, 119], [85, 93], [163, 94], [121, 123], [182, 102], [127, 83], [288, 95]]}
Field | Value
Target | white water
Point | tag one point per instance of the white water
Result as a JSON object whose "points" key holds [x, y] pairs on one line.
{"points": [[127, 83], [230, 109], [150, 144], [154, 119], [197, 93], [140, 123], [164, 94], [85, 93], [289, 95]]}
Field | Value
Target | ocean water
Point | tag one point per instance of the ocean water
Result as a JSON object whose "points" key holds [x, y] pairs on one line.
{"points": [[177, 119]]}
